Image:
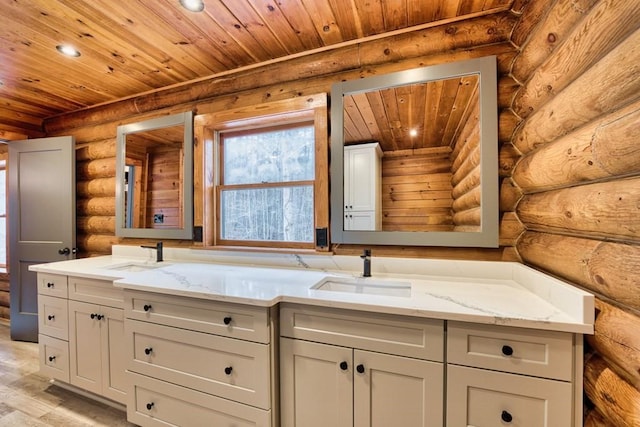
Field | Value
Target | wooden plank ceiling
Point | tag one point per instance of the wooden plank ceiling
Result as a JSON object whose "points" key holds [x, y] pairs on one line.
{"points": [[411, 117], [136, 46]]}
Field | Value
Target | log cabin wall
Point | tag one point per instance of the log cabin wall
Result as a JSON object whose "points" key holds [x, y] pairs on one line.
{"points": [[465, 168], [95, 129], [416, 191], [569, 158], [578, 120]]}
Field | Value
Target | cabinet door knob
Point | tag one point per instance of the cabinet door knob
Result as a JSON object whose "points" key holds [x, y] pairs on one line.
{"points": [[344, 366], [147, 307], [100, 316], [227, 320], [150, 405], [507, 350], [52, 358], [506, 417], [360, 368], [51, 317], [148, 350], [228, 370], [50, 285], [93, 315]]}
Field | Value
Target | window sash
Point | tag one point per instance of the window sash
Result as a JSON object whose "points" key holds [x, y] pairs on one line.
{"points": [[266, 242]]}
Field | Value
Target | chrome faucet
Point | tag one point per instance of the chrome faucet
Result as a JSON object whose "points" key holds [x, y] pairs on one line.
{"points": [[366, 258], [158, 248]]}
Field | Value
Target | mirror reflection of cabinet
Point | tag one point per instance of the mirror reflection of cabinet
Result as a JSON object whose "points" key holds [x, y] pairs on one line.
{"points": [[362, 180], [154, 178]]}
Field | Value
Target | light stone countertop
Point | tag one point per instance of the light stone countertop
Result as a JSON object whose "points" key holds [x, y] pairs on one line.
{"points": [[502, 293]]}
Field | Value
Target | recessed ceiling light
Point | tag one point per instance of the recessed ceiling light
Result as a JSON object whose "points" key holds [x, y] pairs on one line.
{"points": [[193, 5], [68, 50]]}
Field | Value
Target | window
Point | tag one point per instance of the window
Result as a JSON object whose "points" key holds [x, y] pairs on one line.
{"points": [[266, 185], [264, 174]]}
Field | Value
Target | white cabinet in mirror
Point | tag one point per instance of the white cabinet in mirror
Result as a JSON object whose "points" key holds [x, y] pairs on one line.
{"points": [[436, 129]]}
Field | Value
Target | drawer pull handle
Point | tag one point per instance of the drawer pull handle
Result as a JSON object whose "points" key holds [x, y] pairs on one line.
{"points": [[344, 366], [228, 370], [506, 417], [50, 285], [52, 358], [148, 350], [227, 320], [360, 368], [147, 307], [150, 405], [507, 350], [51, 317]]}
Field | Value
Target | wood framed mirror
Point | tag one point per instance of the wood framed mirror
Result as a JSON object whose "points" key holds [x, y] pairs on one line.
{"points": [[414, 157], [154, 178]]}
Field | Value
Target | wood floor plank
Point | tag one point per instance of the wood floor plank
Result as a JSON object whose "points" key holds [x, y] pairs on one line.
{"points": [[28, 399]]}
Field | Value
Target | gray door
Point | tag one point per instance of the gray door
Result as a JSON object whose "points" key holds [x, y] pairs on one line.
{"points": [[42, 221]]}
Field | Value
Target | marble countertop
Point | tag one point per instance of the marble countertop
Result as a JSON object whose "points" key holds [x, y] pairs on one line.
{"points": [[502, 293]]}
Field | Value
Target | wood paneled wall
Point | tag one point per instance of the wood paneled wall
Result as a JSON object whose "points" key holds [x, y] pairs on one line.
{"points": [[416, 191], [578, 180]]}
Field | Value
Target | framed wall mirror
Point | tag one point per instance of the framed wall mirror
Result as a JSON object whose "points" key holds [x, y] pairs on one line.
{"points": [[414, 157], [154, 178]]}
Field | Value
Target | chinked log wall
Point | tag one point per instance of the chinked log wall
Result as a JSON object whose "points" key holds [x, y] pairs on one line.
{"points": [[95, 129], [579, 175]]}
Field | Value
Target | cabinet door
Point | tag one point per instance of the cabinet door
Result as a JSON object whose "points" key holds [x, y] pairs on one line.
{"points": [[114, 356], [360, 220], [361, 179], [84, 346], [315, 389], [482, 398], [397, 391]]}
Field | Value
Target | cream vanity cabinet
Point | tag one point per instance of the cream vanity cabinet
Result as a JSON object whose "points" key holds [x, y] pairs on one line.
{"points": [[504, 376], [198, 362], [347, 368], [53, 326], [81, 333], [362, 187]]}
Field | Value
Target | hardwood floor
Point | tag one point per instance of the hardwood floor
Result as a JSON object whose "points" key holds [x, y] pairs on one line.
{"points": [[28, 399]]}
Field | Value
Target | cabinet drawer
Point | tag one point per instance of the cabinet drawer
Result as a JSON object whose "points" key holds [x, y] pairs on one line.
{"points": [[54, 357], [96, 292], [238, 370], [173, 405], [214, 317], [481, 398], [413, 337], [524, 351], [52, 284], [53, 317]]}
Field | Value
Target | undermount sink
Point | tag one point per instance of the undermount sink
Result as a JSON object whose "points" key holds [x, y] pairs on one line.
{"points": [[135, 267], [364, 285]]}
